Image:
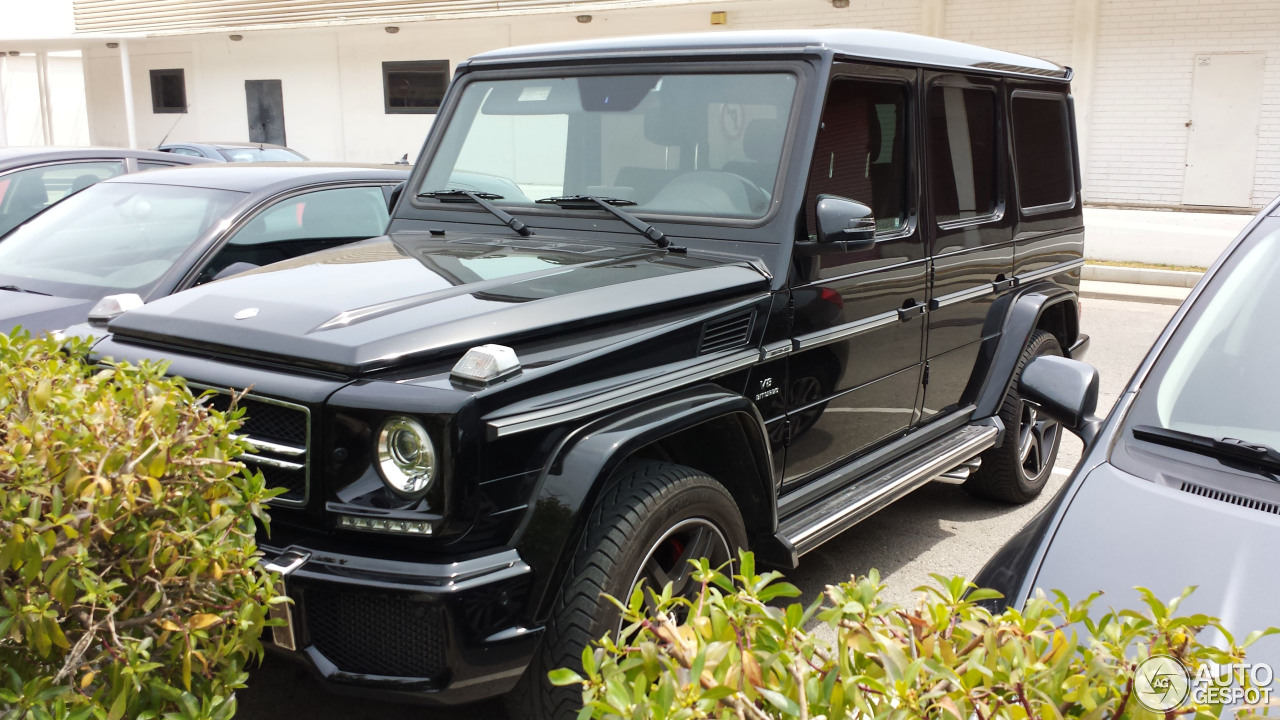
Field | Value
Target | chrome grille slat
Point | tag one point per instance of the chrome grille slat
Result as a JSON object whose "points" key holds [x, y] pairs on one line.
{"points": [[278, 434]]}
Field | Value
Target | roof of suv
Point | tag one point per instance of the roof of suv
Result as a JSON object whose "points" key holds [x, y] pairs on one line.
{"points": [[870, 44]]}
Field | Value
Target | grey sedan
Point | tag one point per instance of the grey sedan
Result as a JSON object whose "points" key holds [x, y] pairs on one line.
{"points": [[149, 235]]}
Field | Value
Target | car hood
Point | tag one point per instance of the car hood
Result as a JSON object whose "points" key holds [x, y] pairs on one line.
{"points": [[40, 313], [372, 305], [1165, 539]]}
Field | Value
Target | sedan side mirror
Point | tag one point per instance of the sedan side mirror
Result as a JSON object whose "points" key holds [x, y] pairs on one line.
{"points": [[844, 220], [1065, 390], [394, 196]]}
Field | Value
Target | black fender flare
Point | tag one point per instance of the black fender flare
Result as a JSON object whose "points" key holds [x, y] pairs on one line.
{"points": [[1018, 314], [572, 478]]}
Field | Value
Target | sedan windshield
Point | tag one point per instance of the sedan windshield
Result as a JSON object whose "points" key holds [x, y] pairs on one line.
{"points": [[685, 144], [1216, 378], [110, 238]]}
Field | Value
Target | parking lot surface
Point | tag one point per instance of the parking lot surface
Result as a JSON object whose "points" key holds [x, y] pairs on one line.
{"points": [[937, 529]]}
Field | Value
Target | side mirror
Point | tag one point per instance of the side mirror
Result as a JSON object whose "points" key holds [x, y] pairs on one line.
{"points": [[1065, 390], [843, 220], [396, 192]]}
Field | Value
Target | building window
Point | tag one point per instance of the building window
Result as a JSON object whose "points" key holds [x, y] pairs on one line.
{"points": [[414, 87], [168, 91]]}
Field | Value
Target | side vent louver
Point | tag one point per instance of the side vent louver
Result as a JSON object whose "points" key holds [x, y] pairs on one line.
{"points": [[726, 333], [1252, 504]]}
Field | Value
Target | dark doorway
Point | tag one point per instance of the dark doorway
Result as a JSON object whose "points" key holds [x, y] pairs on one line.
{"points": [[265, 101]]}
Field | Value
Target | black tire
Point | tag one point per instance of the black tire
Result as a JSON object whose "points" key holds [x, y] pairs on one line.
{"points": [[643, 503], [1018, 470]]}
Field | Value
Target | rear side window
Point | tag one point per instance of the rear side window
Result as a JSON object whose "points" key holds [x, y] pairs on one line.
{"points": [[963, 152], [1042, 150]]}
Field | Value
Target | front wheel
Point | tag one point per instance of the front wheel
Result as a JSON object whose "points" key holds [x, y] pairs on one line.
{"points": [[651, 519], [1018, 470]]}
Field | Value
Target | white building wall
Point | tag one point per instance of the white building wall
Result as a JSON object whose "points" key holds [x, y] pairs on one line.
{"points": [[1142, 93]]}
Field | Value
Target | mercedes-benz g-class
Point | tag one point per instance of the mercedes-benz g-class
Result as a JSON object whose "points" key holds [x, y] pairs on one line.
{"points": [[644, 300]]}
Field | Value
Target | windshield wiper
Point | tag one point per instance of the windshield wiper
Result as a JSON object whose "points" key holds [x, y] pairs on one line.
{"points": [[1258, 455], [654, 234], [482, 199], [15, 288]]}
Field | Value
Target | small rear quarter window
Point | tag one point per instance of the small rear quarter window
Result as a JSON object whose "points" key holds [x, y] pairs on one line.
{"points": [[1042, 150]]}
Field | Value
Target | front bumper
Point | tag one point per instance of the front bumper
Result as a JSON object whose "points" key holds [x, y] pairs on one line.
{"points": [[440, 633]]}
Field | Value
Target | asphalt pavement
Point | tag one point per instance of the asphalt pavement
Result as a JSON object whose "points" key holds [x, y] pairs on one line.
{"points": [[937, 529]]}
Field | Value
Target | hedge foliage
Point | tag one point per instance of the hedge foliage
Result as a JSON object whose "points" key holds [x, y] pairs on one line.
{"points": [[739, 655], [130, 583]]}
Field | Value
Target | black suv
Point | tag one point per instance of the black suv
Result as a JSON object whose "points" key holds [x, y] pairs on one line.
{"points": [[644, 300]]}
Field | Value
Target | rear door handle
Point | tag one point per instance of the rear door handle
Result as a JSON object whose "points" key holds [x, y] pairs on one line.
{"points": [[1001, 283], [906, 313]]}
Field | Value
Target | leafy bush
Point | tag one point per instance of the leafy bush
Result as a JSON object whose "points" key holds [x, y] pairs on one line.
{"points": [[129, 578], [739, 656]]}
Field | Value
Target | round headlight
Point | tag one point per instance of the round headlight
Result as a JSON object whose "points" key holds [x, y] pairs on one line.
{"points": [[406, 457]]}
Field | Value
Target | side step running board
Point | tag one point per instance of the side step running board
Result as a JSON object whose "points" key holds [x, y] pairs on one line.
{"points": [[820, 521]]}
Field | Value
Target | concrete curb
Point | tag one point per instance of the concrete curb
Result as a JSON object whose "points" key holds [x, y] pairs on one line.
{"points": [[1140, 276], [1133, 292]]}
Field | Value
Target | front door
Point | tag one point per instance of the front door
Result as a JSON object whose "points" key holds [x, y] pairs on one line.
{"points": [[264, 100], [854, 376]]}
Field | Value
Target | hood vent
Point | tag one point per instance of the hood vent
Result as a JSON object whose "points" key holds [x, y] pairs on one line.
{"points": [[1245, 502], [726, 333]]}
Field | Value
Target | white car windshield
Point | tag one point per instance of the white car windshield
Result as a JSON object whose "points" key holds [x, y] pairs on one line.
{"points": [[109, 238], [1217, 371], [678, 144]]}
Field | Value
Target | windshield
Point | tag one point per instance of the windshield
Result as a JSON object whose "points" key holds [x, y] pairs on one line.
{"points": [[110, 238], [706, 145], [260, 155], [1214, 379]]}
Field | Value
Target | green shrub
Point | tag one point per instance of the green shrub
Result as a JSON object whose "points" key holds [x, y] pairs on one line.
{"points": [[130, 584], [738, 655]]}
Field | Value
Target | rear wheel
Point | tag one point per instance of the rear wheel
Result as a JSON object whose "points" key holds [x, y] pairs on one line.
{"points": [[1018, 470], [649, 522]]}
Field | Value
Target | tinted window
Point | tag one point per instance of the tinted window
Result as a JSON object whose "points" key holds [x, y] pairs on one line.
{"points": [[303, 224], [186, 151], [1042, 150], [414, 87], [963, 152], [149, 165], [26, 192], [261, 155], [110, 238], [861, 151]]}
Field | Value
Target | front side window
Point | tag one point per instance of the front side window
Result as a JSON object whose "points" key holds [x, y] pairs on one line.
{"points": [[963, 152], [681, 144], [110, 238], [303, 224], [1042, 150], [26, 192], [861, 151]]}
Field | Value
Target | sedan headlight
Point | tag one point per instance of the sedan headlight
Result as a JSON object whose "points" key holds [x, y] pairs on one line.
{"points": [[406, 457]]}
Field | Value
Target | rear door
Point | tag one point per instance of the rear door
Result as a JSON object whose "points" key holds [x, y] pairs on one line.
{"points": [[854, 376], [966, 169]]}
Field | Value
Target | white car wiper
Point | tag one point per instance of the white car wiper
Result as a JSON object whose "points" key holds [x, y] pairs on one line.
{"points": [[1258, 455], [482, 199], [15, 288]]}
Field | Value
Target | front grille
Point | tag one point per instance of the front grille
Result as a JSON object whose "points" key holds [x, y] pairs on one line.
{"points": [[376, 633], [277, 433]]}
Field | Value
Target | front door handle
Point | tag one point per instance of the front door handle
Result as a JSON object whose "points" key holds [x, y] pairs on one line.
{"points": [[911, 311], [1001, 283]]}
